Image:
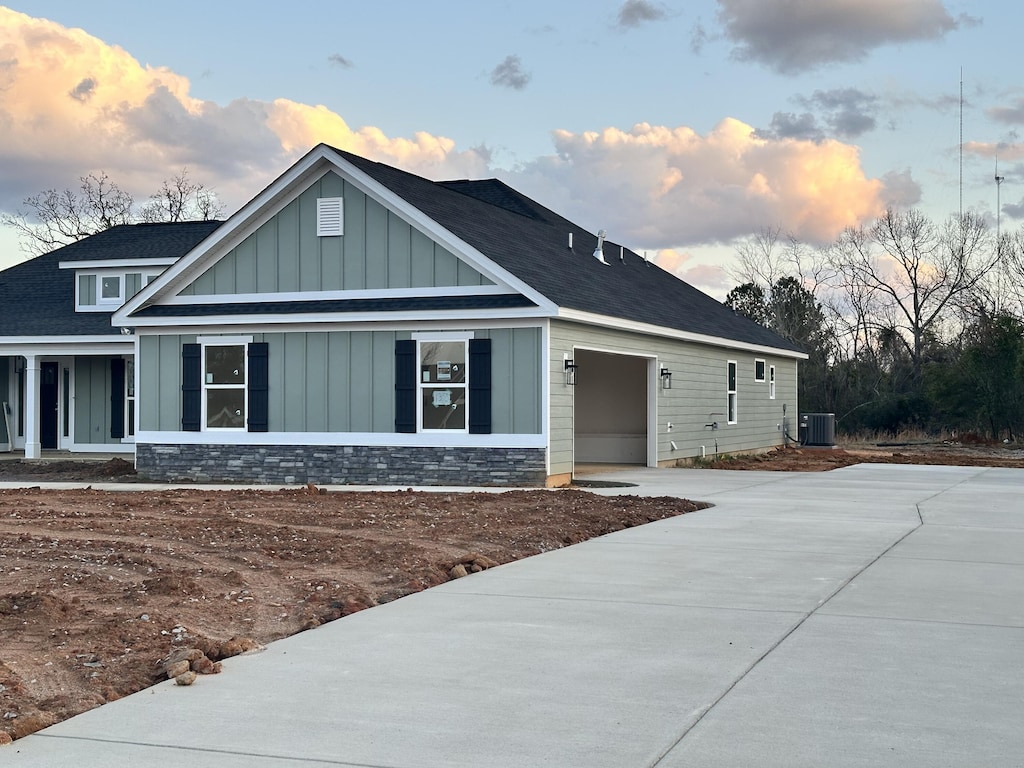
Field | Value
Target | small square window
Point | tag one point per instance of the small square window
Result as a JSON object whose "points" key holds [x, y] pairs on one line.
{"points": [[758, 370], [110, 288]]}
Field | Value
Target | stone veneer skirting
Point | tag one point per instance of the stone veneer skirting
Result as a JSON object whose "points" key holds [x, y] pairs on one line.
{"points": [[341, 465]]}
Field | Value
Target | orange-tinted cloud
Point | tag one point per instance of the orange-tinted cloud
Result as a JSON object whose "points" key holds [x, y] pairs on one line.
{"points": [[657, 186]]}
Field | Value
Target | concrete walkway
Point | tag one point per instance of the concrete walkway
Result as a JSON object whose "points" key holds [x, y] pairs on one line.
{"points": [[869, 616]]}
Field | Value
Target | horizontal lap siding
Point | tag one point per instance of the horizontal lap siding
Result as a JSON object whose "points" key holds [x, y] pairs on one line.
{"points": [[699, 389]]}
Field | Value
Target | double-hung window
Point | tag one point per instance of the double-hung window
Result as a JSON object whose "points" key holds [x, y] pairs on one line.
{"points": [[771, 382], [732, 405], [224, 391], [225, 384], [443, 385]]}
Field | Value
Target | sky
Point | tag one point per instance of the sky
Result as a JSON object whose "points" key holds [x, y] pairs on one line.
{"points": [[681, 128]]}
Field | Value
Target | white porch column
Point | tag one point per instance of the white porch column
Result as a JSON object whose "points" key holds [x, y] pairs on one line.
{"points": [[32, 447]]}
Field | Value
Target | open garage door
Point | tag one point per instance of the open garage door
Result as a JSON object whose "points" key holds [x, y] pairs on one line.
{"points": [[611, 413]]}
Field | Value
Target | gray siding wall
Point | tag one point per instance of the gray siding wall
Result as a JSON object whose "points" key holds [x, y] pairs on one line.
{"points": [[699, 388], [343, 381], [92, 401], [378, 250]]}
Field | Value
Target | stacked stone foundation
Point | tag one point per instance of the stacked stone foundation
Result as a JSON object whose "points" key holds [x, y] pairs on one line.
{"points": [[341, 465]]}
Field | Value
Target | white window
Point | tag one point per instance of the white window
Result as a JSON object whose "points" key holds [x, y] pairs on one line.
{"points": [[129, 397], [732, 407], [225, 398], [758, 370], [330, 217], [443, 392], [771, 382], [111, 289]]}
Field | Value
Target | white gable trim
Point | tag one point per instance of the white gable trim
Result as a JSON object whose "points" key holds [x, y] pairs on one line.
{"points": [[274, 198], [116, 263], [618, 323]]}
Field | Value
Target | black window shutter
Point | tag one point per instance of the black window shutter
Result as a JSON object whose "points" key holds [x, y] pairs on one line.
{"points": [[191, 387], [117, 397], [480, 386], [259, 386], [405, 385]]}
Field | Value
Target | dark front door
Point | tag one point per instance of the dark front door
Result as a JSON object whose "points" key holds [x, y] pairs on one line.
{"points": [[48, 405]]}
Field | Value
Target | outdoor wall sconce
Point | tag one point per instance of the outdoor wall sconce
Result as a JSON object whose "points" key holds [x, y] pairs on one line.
{"points": [[570, 372], [666, 378]]}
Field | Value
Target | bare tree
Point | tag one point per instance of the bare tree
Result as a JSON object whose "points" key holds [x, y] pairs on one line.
{"points": [[180, 199], [916, 269], [59, 218]]}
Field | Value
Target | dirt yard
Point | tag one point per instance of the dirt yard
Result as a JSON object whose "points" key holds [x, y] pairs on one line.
{"points": [[797, 459], [98, 588]]}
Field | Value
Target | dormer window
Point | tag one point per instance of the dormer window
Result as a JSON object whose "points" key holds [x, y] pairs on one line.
{"points": [[111, 290]]}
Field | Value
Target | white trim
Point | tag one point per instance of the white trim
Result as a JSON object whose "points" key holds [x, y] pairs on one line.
{"points": [[444, 335], [653, 387], [771, 382], [370, 293], [223, 340], [438, 439], [320, 327], [313, 166], [545, 392], [117, 263], [449, 317], [764, 370], [64, 345], [607, 321]]}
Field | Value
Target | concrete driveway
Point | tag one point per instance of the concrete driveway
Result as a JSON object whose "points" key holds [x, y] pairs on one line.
{"points": [[869, 616]]}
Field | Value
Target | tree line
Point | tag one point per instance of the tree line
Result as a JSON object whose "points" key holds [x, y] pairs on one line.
{"points": [[910, 324]]}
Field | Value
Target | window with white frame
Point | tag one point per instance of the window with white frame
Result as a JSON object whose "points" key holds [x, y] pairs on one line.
{"points": [[758, 369], [224, 390], [771, 382], [732, 406], [110, 289], [443, 391]]}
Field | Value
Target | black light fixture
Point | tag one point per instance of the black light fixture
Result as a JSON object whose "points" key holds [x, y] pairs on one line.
{"points": [[666, 378], [570, 372]]}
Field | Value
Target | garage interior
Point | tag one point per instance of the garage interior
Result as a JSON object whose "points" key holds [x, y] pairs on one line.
{"points": [[610, 408]]}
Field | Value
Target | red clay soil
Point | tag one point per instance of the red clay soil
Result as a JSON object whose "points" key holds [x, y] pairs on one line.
{"points": [[803, 459], [97, 588]]}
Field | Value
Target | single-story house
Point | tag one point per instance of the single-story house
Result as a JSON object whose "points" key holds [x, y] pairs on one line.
{"points": [[354, 323]]}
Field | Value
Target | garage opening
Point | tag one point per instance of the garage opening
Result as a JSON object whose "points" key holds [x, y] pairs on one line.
{"points": [[610, 408]]}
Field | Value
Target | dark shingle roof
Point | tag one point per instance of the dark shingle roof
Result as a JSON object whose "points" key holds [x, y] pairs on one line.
{"points": [[37, 298], [531, 242], [401, 304]]}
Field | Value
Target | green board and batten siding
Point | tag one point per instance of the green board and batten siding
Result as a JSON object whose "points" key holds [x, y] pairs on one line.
{"points": [[92, 401], [343, 381], [699, 388], [378, 250]]}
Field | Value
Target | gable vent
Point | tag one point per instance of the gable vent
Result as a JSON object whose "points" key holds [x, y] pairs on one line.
{"points": [[330, 217]]}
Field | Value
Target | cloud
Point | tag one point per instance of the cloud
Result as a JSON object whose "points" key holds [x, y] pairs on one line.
{"points": [[633, 13], [710, 278], [844, 113], [1010, 115], [661, 187], [509, 74], [73, 104], [793, 36], [340, 61], [901, 191]]}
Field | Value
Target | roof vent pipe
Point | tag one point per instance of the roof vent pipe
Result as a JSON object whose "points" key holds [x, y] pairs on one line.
{"points": [[570, 241], [599, 251]]}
